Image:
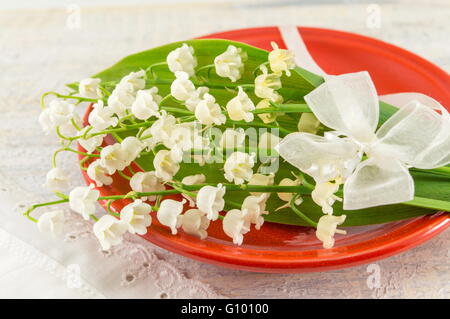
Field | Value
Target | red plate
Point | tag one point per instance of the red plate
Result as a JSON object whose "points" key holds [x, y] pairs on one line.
{"points": [[290, 249]]}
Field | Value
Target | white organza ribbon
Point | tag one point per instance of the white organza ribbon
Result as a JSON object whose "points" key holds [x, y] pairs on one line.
{"points": [[418, 135]]}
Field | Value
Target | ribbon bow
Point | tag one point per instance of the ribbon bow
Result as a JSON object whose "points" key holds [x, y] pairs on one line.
{"points": [[417, 135]]}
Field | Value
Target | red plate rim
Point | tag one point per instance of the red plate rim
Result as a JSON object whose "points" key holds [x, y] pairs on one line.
{"points": [[409, 235]]}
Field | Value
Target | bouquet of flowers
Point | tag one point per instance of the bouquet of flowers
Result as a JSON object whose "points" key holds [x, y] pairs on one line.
{"points": [[244, 136]]}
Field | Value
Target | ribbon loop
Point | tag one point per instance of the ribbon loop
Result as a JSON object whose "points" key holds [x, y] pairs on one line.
{"points": [[417, 135], [323, 158], [373, 184], [347, 103]]}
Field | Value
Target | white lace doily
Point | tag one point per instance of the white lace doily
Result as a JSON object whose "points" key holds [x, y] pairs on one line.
{"points": [[41, 50]]}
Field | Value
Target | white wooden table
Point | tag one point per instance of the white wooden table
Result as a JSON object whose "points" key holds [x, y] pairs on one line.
{"points": [[41, 49]]}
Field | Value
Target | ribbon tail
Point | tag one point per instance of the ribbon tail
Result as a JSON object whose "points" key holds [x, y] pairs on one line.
{"points": [[294, 42], [375, 184], [401, 99]]}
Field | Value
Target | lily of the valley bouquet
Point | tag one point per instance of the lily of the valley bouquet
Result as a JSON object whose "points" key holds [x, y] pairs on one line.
{"points": [[244, 136]]}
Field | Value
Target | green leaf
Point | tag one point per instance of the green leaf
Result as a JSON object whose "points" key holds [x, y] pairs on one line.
{"points": [[294, 87], [429, 186]]}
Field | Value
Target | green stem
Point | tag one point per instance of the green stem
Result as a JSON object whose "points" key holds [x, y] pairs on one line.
{"points": [[205, 67], [121, 173], [176, 110], [199, 83], [183, 190], [60, 135], [62, 96], [284, 108], [150, 68], [108, 208], [117, 137], [124, 128], [300, 214], [126, 117], [255, 70], [131, 170], [73, 151], [141, 194], [247, 149], [300, 189], [82, 162], [33, 207], [283, 131]]}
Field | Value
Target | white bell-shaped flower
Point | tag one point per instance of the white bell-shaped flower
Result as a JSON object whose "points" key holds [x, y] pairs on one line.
{"points": [[240, 107], [308, 123], [166, 166], [146, 104], [194, 222], [121, 99], [268, 141], [286, 197], [148, 140], [61, 112], [57, 180], [90, 88], [136, 216], [208, 112], [261, 180], [51, 222], [256, 207], [102, 117], [69, 129], [415, 136], [112, 158], [210, 200], [46, 122], [169, 214], [92, 142], [327, 227], [230, 64], [182, 137], [232, 138], [266, 84], [193, 179], [323, 195], [109, 231], [266, 117], [182, 88], [83, 199], [238, 167], [134, 80], [235, 225], [98, 174], [195, 98], [161, 130], [281, 60], [144, 182], [182, 59], [131, 148]]}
